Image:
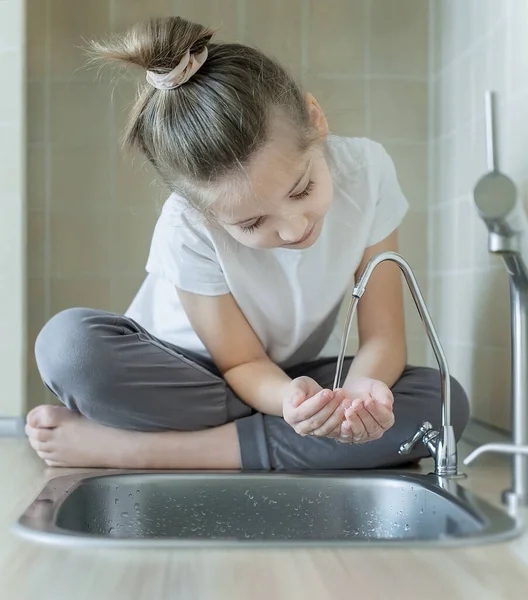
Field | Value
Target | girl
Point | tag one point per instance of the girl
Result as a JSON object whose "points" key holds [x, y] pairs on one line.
{"points": [[226, 355]]}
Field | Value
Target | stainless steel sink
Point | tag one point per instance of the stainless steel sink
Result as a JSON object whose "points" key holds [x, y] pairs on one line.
{"points": [[127, 508]]}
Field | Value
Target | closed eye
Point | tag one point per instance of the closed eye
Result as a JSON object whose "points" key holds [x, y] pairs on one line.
{"points": [[306, 192], [256, 224], [253, 226]]}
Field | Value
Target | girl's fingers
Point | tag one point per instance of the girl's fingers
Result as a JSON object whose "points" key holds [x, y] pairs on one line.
{"points": [[334, 420], [382, 394], [345, 435], [356, 425], [346, 430], [337, 432], [311, 406], [318, 421], [297, 398], [372, 427], [303, 388], [383, 415]]}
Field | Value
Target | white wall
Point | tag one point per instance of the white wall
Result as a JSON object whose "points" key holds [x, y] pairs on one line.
{"points": [[12, 210]]}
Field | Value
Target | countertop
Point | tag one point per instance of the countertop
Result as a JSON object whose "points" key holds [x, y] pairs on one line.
{"points": [[30, 571]]}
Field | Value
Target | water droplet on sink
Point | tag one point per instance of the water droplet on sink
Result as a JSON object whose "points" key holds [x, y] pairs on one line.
{"points": [[421, 511], [124, 515], [111, 530], [116, 501], [407, 527], [137, 491], [136, 506], [130, 495]]}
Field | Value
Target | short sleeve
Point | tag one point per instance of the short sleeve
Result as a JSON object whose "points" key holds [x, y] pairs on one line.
{"points": [[184, 256], [391, 204]]}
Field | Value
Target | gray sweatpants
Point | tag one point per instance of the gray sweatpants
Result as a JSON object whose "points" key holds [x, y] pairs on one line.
{"points": [[114, 372]]}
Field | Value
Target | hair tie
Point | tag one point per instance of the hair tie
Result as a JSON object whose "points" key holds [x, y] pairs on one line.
{"points": [[182, 72]]}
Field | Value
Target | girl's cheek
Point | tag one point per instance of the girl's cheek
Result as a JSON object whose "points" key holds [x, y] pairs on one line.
{"points": [[253, 240]]}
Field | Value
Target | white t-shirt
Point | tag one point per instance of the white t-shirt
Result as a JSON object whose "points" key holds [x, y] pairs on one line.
{"points": [[291, 298]]}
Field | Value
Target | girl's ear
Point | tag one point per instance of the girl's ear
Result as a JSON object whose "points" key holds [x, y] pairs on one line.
{"points": [[317, 115]]}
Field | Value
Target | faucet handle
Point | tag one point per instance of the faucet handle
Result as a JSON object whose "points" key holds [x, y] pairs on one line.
{"points": [[409, 445]]}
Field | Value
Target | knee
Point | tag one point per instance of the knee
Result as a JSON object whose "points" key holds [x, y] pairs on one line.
{"points": [[68, 349], [459, 408], [421, 390]]}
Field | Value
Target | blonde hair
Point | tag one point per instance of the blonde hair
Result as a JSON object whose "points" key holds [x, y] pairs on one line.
{"points": [[212, 125]]}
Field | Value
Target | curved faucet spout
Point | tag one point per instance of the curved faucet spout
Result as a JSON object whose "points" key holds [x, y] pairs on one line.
{"points": [[430, 330], [441, 444]]}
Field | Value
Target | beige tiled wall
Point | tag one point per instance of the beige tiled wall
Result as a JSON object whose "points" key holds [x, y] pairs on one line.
{"points": [[478, 45], [12, 211], [92, 209]]}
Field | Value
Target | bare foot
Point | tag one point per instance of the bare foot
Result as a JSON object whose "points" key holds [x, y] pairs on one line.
{"points": [[63, 438]]}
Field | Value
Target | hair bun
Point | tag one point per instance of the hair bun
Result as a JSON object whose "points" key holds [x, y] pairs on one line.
{"points": [[157, 45]]}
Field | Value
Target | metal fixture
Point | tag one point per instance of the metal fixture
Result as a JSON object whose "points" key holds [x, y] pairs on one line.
{"points": [[441, 444], [497, 203]]}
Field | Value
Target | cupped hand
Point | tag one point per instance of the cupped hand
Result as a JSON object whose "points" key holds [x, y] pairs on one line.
{"points": [[312, 410], [368, 411]]}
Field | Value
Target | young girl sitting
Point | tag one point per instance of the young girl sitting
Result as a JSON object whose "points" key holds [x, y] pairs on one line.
{"points": [[226, 357]]}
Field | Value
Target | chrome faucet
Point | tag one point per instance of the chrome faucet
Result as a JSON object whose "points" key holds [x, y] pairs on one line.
{"points": [[498, 205], [441, 444]]}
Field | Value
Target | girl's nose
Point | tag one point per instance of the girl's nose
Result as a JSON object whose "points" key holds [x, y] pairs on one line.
{"points": [[292, 230]]}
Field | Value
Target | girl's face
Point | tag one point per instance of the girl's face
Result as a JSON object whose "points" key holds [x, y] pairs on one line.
{"points": [[286, 196]]}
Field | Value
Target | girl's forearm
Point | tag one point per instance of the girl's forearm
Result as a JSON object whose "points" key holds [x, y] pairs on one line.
{"points": [[259, 383], [381, 359]]}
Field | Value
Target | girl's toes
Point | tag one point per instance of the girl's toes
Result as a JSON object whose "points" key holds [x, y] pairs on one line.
{"points": [[47, 416], [39, 435], [38, 446], [51, 463]]}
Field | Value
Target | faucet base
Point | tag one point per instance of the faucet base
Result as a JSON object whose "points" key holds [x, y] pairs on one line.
{"points": [[457, 475], [443, 447], [514, 501]]}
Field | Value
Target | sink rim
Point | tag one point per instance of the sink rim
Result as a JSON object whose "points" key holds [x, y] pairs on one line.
{"points": [[38, 521]]}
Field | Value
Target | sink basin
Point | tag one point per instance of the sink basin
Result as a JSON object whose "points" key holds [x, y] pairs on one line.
{"points": [[127, 508]]}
